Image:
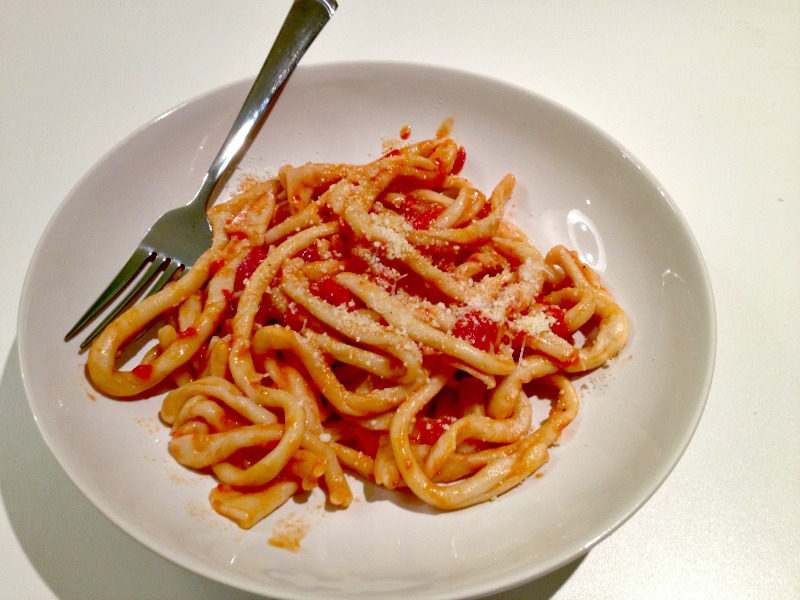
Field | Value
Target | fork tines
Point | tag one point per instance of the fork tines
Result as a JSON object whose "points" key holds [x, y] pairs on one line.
{"points": [[159, 264]]}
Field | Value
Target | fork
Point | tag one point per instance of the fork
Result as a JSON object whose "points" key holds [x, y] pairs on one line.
{"points": [[178, 238]]}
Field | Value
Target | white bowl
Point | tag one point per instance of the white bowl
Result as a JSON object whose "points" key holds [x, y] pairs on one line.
{"points": [[576, 186]]}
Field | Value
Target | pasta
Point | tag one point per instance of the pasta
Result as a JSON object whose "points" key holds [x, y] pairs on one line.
{"points": [[381, 319]]}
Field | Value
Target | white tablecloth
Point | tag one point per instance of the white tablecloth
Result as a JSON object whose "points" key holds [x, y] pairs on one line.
{"points": [[706, 94]]}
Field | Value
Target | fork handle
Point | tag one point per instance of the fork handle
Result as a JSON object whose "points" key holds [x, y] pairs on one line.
{"points": [[305, 20]]}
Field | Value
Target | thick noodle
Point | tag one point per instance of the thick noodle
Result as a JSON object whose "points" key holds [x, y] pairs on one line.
{"points": [[382, 319]]}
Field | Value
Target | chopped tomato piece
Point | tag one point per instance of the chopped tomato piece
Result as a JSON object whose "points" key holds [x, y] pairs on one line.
{"points": [[461, 157], [298, 318], [428, 430], [558, 326], [547, 288], [215, 267], [517, 341], [366, 440], [231, 306], [421, 215], [478, 330], [248, 266], [333, 292], [282, 211], [143, 371], [310, 253]]}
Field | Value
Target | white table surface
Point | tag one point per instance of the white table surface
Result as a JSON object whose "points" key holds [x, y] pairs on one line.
{"points": [[706, 94]]}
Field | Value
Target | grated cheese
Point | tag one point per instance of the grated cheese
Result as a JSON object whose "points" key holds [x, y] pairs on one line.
{"points": [[534, 323]]}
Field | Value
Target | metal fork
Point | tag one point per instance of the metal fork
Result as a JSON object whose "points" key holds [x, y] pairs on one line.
{"points": [[178, 238]]}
